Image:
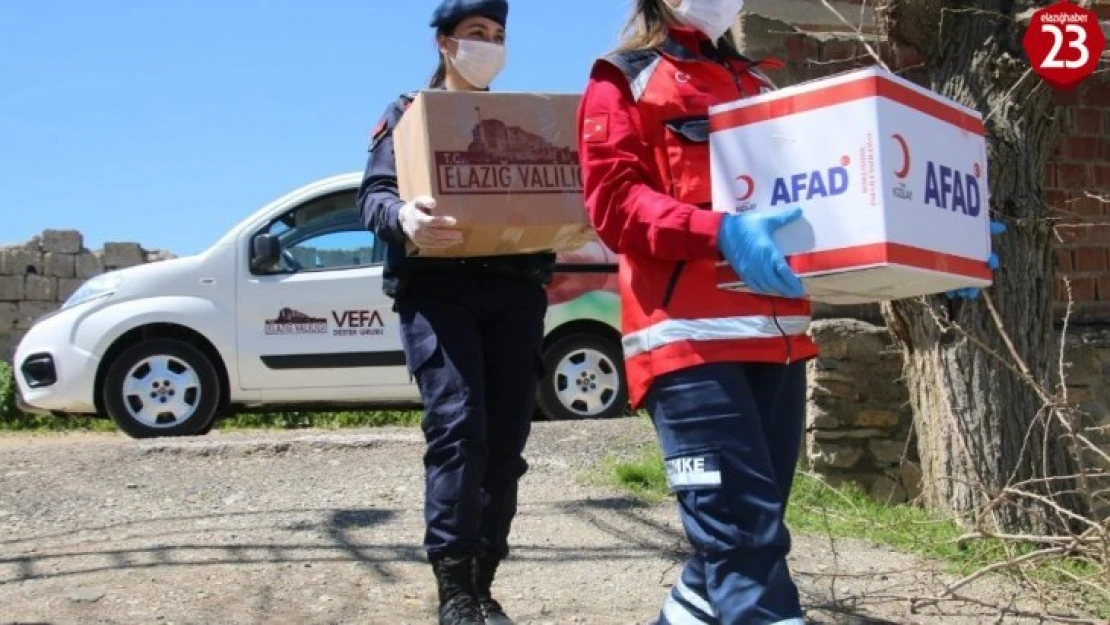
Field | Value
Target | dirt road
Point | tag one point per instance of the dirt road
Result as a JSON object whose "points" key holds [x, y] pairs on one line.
{"points": [[324, 527]]}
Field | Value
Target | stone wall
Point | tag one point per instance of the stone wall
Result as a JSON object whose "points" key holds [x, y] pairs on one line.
{"points": [[858, 419], [37, 276], [859, 423]]}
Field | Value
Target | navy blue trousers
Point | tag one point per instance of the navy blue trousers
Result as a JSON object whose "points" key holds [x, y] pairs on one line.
{"points": [[473, 343], [730, 435]]}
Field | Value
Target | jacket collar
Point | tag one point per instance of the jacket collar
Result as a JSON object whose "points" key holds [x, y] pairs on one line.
{"points": [[688, 44]]}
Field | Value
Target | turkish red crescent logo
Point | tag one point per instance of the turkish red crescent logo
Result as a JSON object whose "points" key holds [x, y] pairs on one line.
{"points": [[905, 170], [748, 188]]}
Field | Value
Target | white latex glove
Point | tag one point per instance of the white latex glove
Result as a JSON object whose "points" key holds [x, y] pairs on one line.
{"points": [[428, 231]]}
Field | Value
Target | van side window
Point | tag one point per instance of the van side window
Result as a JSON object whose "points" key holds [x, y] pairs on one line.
{"points": [[325, 234]]}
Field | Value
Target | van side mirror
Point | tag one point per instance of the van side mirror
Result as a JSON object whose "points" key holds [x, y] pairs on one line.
{"points": [[265, 252]]}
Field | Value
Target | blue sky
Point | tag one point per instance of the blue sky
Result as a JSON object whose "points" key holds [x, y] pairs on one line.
{"points": [[167, 121]]}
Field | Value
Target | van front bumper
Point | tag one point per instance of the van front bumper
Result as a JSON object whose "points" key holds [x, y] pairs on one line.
{"points": [[52, 376]]}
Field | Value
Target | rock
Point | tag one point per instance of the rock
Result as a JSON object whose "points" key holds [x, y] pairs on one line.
{"points": [[839, 390], [40, 288], [835, 376], [120, 255], [821, 419], [88, 265], [875, 419], [67, 286], [84, 595], [157, 255], [63, 241], [9, 316], [11, 288], [834, 456], [30, 311], [841, 338], [887, 490], [911, 479], [853, 433], [57, 265], [887, 452], [17, 262]]}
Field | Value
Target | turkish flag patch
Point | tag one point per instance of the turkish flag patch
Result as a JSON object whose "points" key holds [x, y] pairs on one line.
{"points": [[377, 131], [595, 128]]}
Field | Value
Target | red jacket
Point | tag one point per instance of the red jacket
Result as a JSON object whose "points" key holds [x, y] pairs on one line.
{"points": [[643, 141]]}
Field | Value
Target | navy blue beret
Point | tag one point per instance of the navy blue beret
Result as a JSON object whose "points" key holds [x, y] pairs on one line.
{"points": [[453, 11]]}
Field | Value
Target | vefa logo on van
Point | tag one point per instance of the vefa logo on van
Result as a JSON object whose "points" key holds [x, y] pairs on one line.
{"points": [[358, 323], [900, 189], [953, 190], [806, 186]]}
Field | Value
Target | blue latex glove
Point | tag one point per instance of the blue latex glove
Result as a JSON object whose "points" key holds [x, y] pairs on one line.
{"points": [[997, 227], [745, 242]]}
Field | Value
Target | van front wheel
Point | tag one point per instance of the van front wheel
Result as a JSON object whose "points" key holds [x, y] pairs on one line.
{"points": [[162, 387], [583, 379]]}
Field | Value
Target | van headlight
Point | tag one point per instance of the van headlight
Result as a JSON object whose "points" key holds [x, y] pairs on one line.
{"points": [[94, 288]]}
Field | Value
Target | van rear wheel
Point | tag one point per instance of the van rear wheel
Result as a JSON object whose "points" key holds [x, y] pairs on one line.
{"points": [[162, 388], [583, 379]]}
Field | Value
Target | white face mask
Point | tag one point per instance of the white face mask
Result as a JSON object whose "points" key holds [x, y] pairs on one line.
{"points": [[712, 17], [479, 62]]}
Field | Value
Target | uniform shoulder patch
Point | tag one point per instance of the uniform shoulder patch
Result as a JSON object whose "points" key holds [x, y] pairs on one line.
{"points": [[378, 131], [595, 128]]}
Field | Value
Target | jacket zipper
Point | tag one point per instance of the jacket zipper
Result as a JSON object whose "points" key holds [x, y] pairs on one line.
{"points": [[672, 284]]}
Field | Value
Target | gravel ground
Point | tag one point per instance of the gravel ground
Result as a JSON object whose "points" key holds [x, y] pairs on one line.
{"points": [[325, 527]]}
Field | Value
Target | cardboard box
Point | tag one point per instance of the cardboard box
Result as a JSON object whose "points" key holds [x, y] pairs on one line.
{"points": [[505, 165], [891, 178]]}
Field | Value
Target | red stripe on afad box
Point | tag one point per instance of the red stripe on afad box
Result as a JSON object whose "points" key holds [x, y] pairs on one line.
{"points": [[872, 86], [875, 254]]}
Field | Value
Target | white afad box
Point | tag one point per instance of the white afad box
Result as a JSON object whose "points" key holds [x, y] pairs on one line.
{"points": [[891, 178]]}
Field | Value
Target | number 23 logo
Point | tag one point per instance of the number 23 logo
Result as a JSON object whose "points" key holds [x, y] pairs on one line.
{"points": [[1063, 43], [1078, 42]]}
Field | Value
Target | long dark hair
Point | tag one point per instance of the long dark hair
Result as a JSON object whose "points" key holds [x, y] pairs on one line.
{"points": [[649, 24], [440, 75]]}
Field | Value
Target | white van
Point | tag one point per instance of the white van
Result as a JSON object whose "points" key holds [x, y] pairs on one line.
{"points": [[166, 348]]}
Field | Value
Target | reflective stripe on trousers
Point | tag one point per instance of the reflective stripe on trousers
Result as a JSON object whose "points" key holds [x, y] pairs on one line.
{"points": [[730, 434], [713, 329]]}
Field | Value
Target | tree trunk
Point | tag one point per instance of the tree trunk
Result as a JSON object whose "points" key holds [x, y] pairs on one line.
{"points": [[980, 426]]}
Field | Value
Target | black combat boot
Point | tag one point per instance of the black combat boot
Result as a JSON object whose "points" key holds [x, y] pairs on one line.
{"points": [[484, 571], [458, 603]]}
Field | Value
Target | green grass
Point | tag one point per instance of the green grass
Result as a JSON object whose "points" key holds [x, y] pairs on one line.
{"points": [[816, 508], [643, 477], [322, 420], [19, 422]]}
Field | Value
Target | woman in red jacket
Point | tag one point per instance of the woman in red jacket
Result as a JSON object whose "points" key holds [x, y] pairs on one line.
{"points": [[722, 373]]}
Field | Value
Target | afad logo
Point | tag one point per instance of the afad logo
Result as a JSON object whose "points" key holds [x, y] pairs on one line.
{"points": [[945, 187], [805, 186], [798, 187]]}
